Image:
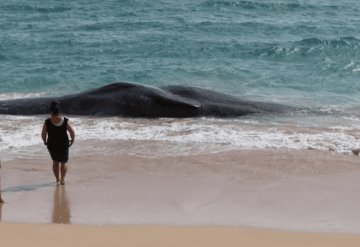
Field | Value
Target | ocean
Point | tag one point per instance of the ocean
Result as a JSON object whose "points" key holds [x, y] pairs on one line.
{"points": [[303, 53]]}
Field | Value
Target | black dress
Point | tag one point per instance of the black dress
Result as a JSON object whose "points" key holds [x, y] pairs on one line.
{"points": [[58, 140]]}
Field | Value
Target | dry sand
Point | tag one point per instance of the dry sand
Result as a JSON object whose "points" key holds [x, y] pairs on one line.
{"points": [[194, 200], [17, 235]]}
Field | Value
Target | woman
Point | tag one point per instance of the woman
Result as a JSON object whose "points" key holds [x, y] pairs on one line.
{"points": [[55, 137], [1, 200]]}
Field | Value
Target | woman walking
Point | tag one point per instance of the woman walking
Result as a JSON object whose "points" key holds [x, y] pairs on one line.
{"points": [[1, 200], [55, 137]]}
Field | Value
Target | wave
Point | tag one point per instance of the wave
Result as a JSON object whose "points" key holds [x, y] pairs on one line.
{"points": [[308, 47], [276, 5], [9, 96], [251, 5], [188, 136], [127, 25], [342, 42], [305, 48], [30, 8]]}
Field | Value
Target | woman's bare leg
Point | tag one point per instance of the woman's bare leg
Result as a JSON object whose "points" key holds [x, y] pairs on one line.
{"points": [[56, 171], [1, 200], [63, 171]]}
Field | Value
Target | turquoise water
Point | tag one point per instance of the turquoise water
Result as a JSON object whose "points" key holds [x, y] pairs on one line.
{"points": [[302, 53], [292, 52]]}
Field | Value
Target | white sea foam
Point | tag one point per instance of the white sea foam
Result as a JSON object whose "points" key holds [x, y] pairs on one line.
{"points": [[211, 135], [9, 96]]}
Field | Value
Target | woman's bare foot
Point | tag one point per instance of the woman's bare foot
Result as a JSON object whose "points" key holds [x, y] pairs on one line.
{"points": [[62, 182]]}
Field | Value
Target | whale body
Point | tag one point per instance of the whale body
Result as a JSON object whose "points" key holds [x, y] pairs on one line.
{"points": [[136, 100]]}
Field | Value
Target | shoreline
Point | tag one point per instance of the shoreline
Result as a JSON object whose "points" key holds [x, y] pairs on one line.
{"points": [[188, 136], [305, 190], [275, 198]]}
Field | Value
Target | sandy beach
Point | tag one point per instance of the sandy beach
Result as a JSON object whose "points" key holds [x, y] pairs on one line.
{"points": [[74, 235], [196, 123], [254, 197]]}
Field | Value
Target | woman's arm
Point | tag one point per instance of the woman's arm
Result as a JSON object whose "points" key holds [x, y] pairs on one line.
{"points": [[72, 133], [43, 133]]}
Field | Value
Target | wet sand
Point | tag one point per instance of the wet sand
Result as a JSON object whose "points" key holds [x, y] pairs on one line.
{"points": [[200, 198]]}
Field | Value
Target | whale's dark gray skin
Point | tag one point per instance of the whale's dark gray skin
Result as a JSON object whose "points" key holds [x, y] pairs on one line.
{"points": [[135, 100]]}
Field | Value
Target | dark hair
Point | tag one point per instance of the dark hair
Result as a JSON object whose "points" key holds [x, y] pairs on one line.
{"points": [[54, 108]]}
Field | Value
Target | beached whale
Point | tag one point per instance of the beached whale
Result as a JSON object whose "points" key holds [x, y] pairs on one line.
{"points": [[136, 100]]}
